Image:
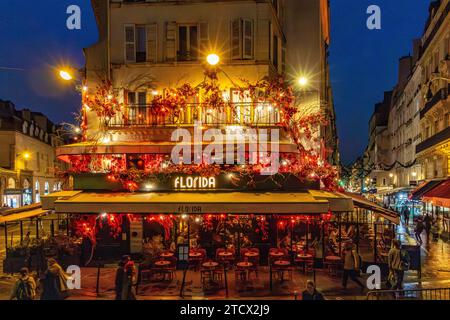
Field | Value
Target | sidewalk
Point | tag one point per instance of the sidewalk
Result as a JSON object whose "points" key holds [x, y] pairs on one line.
{"points": [[435, 259]]}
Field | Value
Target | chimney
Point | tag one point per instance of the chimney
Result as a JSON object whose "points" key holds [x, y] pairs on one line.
{"points": [[416, 50], [404, 69]]}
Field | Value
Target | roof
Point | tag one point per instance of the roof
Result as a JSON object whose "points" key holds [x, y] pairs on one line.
{"points": [[304, 202], [439, 195]]}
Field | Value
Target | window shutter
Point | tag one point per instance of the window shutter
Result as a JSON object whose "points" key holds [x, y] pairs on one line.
{"points": [[152, 42], [236, 39], [171, 32], [130, 43], [204, 38], [248, 39]]}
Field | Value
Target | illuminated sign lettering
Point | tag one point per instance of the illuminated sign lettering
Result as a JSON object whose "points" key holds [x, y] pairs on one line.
{"points": [[195, 183]]}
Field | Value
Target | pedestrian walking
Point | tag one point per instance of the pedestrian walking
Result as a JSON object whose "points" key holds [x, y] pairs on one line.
{"points": [[352, 266], [120, 275], [311, 292], [406, 215], [128, 281], [428, 223], [25, 286], [418, 230], [397, 263], [54, 283]]}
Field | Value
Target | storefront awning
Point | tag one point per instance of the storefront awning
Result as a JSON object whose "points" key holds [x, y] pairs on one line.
{"points": [[418, 193], [305, 202], [361, 202], [395, 191], [439, 195], [23, 215]]}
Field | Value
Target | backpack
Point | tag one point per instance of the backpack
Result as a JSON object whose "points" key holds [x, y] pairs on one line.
{"points": [[24, 290], [405, 260]]}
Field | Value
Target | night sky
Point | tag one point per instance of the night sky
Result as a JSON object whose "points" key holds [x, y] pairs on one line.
{"points": [[34, 38]]}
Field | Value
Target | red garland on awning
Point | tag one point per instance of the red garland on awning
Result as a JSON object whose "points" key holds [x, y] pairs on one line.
{"points": [[439, 195]]}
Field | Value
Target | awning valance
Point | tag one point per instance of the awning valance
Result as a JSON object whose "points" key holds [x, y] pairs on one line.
{"points": [[439, 195], [361, 202], [423, 188], [305, 202]]}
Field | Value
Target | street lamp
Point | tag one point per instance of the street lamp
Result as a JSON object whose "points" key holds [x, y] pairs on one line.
{"points": [[213, 59], [26, 155], [303, 81], [65, 75]]}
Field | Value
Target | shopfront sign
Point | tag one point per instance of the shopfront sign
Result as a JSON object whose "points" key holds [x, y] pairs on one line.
{"points": [[194, 183]]}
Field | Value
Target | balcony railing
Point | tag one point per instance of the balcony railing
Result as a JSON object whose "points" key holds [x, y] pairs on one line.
{"points": [[434, 140], [251, 114], [439, 96]]}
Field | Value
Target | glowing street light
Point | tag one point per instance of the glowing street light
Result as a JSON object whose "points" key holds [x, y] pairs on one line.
{"points": [[26, 155], [65, 75], [302, 81], [213, 59]]}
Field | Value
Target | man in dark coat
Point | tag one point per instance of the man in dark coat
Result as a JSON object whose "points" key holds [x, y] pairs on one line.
{"points": [[119, 276]]}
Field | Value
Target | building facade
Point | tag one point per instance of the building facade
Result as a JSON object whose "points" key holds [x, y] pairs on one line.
{"points": [[166, 66], [28, 160], [415, 126], [433, 152]]}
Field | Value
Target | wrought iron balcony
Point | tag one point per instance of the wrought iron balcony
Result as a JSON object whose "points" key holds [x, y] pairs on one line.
{"points": [[441, 95], [434, 140], [250, 114]]}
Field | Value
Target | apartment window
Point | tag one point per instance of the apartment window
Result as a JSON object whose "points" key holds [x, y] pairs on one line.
{"points": [[140, 43], [242, 34], [187, 43]]}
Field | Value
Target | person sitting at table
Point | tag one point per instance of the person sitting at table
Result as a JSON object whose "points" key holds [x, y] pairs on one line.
{"points": [[311, 292], [285, 242]]}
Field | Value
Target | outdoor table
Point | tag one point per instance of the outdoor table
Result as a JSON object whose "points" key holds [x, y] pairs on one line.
{"points": [[333, 262], [251, 254], [162, 263], [245, 264], [303, 258], [167, 254], [282, 263], [277, 254], [195, 254], [225, 254], [245, 269], [210, 264]]}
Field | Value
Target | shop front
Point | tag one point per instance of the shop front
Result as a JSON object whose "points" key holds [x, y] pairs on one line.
{"points": [[13, 198]]}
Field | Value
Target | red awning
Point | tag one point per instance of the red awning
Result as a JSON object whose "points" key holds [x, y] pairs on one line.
{"points": [[439, 195], [361, 202], [423, 188]]}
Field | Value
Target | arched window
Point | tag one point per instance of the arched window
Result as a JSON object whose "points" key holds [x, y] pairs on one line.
{"points": [[46, 188], [11, 183], [26, 184]]}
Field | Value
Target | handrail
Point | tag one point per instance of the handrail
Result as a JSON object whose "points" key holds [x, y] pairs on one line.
{"points": [[410, 294]]}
